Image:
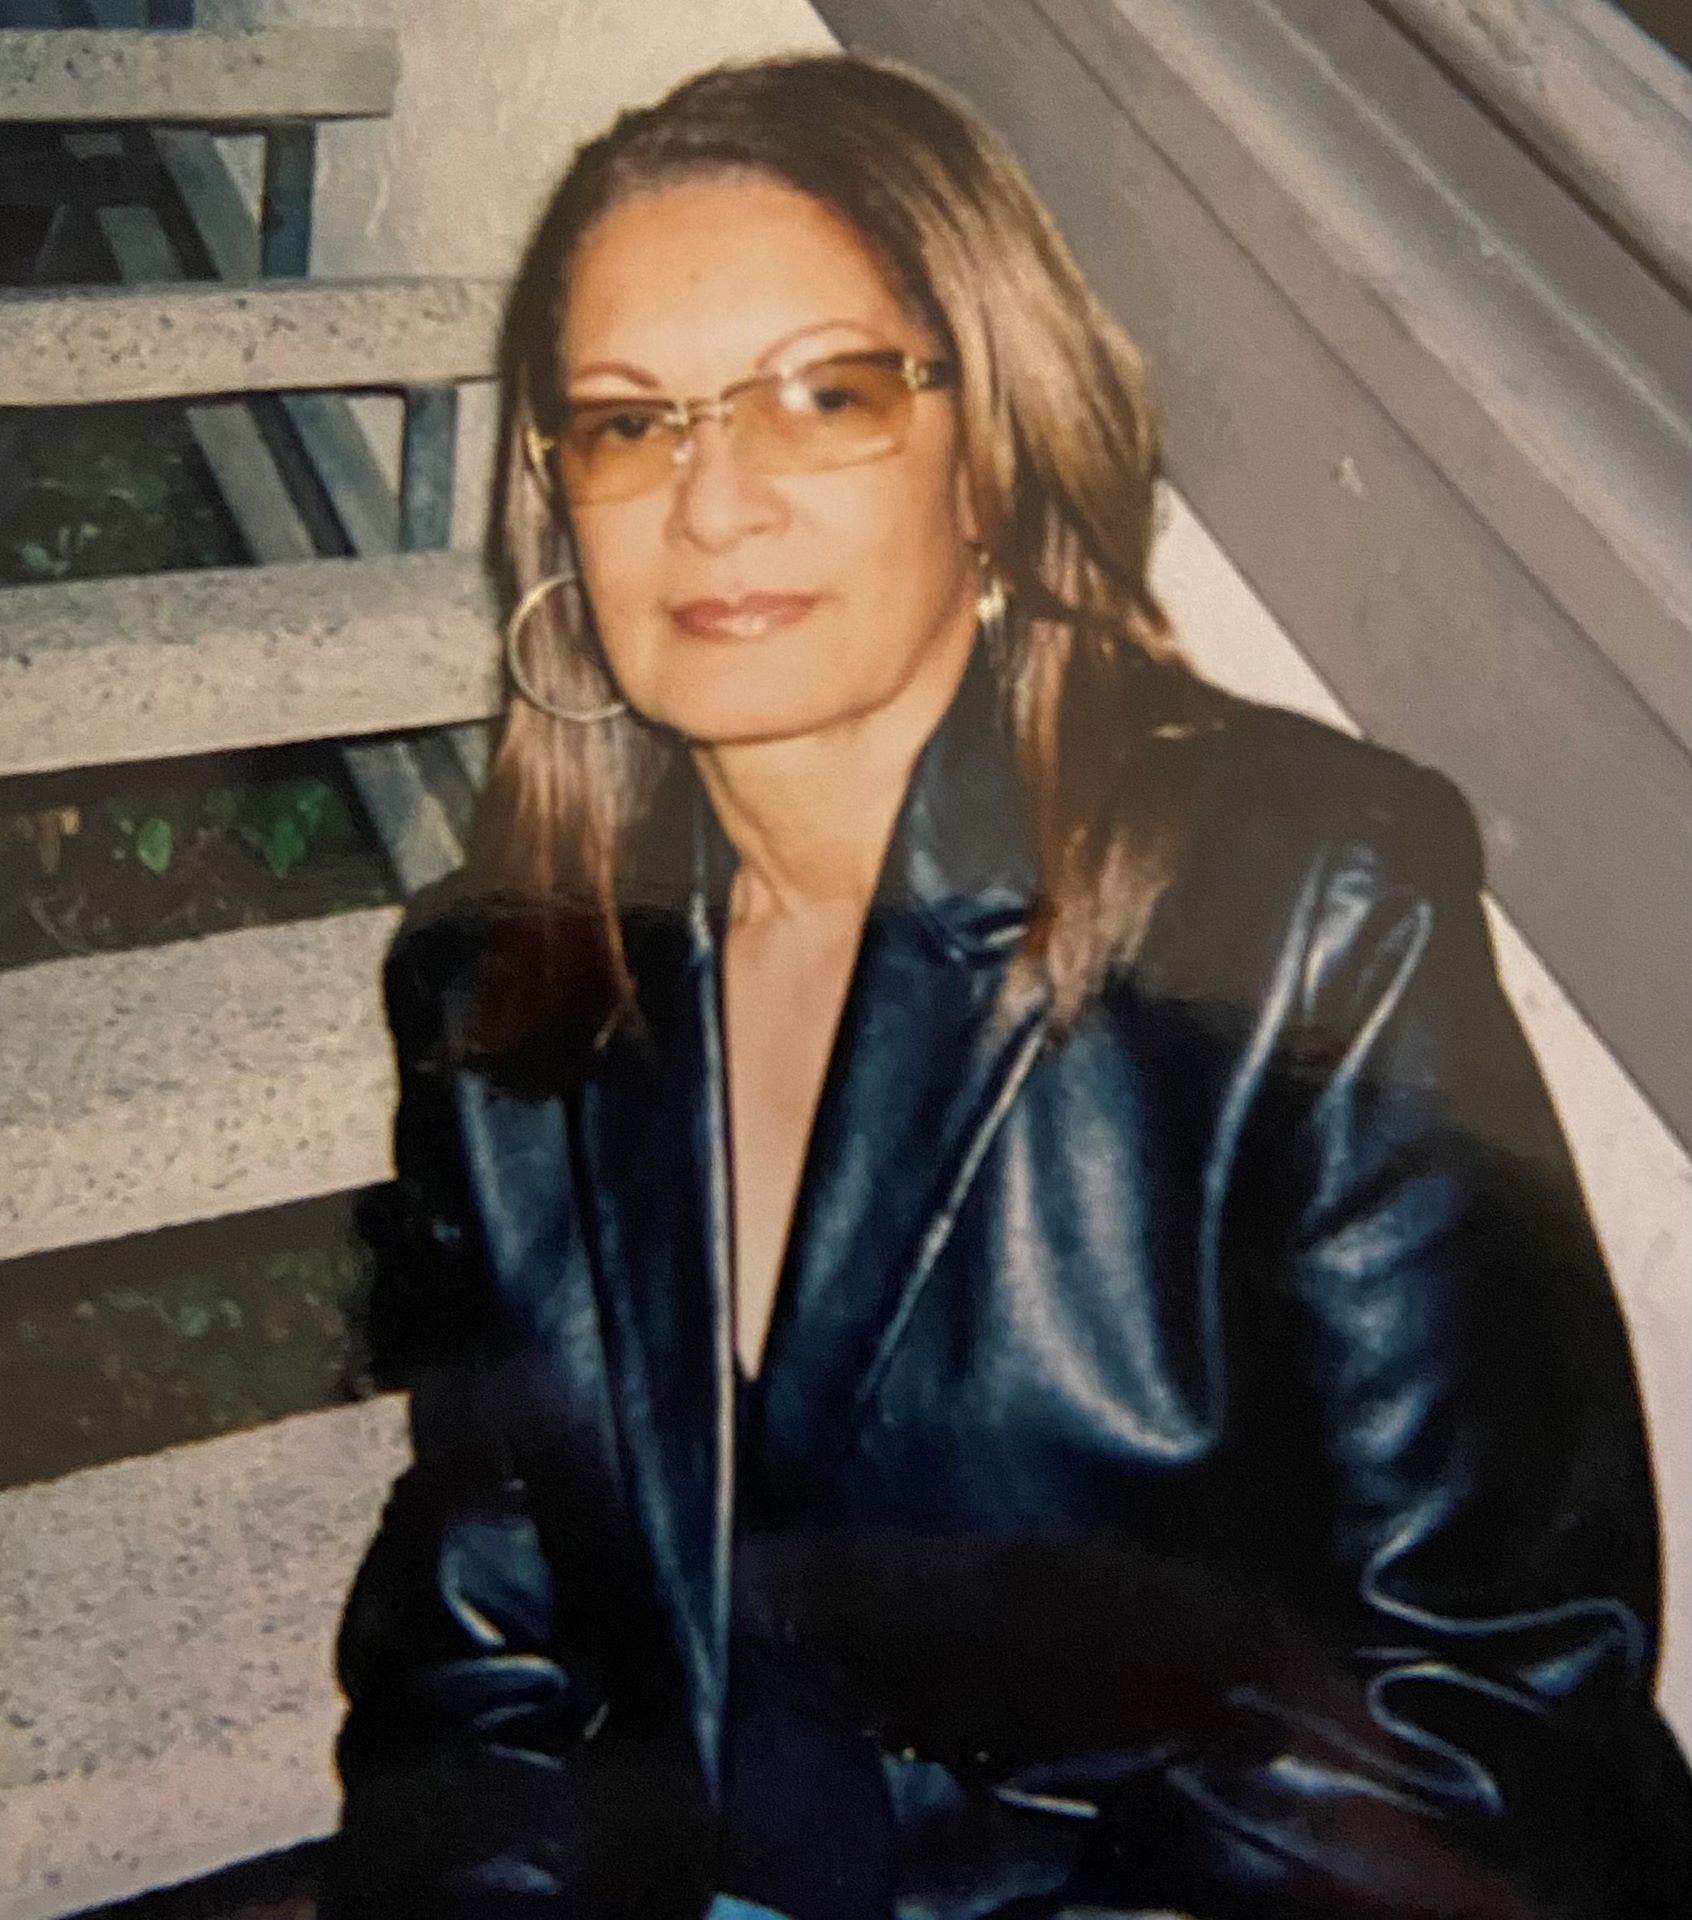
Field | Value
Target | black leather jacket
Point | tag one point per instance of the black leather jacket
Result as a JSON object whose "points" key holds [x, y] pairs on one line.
{"points": [[1206, 1456]]}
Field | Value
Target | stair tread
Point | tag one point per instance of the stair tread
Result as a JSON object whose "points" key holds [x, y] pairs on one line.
{"points": [[211, 660], [180, 1083], [82, 346], [200, 77], [172, 1706]]}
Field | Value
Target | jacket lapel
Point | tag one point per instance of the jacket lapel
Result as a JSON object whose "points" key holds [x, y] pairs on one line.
{"points": [[918, 1078], [655, 1185], [915, 1088]]}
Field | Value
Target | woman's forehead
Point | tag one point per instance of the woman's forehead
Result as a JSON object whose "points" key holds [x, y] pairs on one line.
{"points": [[722, 273]]}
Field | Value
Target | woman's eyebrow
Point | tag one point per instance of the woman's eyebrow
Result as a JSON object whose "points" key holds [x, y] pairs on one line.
{"points": [[777, 348], [638, 376]]}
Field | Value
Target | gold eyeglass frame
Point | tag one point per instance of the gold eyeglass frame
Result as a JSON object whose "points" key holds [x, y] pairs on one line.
{"points": [[680, 417]]}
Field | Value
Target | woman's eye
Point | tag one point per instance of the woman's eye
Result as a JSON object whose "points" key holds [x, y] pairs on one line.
{"points": [[627, 427], [831, 396], [824, 390]]}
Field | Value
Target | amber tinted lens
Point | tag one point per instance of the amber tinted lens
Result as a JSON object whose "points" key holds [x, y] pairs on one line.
{"points": [[829, 414], [611, 449]]}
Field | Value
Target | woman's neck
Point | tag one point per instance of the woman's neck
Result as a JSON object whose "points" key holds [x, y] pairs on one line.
{"points": [[809, 828], [809, 817]]}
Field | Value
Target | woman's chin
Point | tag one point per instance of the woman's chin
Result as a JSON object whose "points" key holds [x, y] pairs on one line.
{"points": [[739, 715]]}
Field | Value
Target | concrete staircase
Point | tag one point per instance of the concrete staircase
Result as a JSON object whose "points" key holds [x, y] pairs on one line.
{"points": [[167, 1625], [166, 1695], [220, 658]]}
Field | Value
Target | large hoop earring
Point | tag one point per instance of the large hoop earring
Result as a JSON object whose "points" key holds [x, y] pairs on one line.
{"points": [[580, 716]]}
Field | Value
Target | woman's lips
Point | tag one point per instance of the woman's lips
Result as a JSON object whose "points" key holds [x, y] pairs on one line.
{"points": [[746, 618]]}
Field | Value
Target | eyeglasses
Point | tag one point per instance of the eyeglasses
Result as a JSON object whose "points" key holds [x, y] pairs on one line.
{"points": [[834, 412]]}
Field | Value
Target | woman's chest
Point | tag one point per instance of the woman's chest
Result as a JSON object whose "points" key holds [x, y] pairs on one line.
{"points": [[781, 1008]]}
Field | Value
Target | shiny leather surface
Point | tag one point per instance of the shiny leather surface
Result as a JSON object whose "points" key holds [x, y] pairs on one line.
{"points": [[1204, 1461]]}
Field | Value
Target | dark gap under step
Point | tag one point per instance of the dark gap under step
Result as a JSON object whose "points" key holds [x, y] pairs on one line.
{"points": [[115, 1350], [105, 860]]}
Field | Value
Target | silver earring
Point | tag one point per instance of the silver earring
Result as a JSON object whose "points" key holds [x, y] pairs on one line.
{"points": [[582, 716]]}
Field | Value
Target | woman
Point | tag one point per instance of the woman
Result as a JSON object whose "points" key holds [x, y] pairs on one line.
{"points": [[999, 1322]]}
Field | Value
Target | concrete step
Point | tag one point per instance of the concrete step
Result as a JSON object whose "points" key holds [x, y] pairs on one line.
{"points": [[199, 78], [149, 667], [168, 1703], [92, 345], [420, 822], [185, 1082]]}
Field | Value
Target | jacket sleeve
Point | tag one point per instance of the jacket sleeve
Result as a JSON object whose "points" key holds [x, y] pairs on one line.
{"points": [[1463, 1724], [481, 1774]]}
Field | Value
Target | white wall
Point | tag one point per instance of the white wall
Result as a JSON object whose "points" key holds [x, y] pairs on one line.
{"points": [[494, 95]]}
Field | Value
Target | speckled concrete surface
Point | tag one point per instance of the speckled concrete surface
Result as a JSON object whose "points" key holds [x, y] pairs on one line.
{"points": [[148, 667], [515, 83], [157, 343], [193, 1080], [167, 1699], [211, 78]]}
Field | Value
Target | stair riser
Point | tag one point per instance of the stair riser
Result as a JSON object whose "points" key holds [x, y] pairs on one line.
{"points": [[172, 1706], [112, 75], [208, 1077], [168, 664], [158, 343]]}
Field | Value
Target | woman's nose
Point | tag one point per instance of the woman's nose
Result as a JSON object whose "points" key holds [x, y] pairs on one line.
{"points": [[719, 498]]}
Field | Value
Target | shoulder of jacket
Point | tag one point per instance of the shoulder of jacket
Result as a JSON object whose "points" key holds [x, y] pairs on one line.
{"points": [[1294, 789], [1291, 826], [433, 953]]}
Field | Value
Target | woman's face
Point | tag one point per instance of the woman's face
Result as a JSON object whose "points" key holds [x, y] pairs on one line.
{"points": [[735, 605]]}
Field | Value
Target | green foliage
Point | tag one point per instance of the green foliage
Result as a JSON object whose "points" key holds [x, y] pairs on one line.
{"points": [[100, 495], [57, 554], [153, 842], [283, 822]]}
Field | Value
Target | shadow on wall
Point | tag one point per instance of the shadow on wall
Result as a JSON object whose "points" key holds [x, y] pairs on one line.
{"points": [[1668, 22]]}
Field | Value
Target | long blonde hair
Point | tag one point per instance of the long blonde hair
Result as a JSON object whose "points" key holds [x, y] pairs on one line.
{"points": [[1060, 441]]}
